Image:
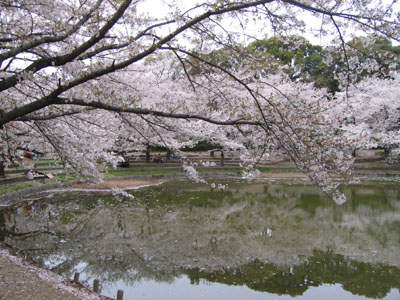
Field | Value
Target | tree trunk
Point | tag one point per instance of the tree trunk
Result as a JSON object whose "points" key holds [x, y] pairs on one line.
{"points": [[168, 155], [148, 154], [2, 171], [387, 153]]}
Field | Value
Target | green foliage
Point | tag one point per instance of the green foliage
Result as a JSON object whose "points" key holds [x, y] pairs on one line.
{"points": [[301, 60], [229, 59], [380, 51], [280, 50], [202, 146]]}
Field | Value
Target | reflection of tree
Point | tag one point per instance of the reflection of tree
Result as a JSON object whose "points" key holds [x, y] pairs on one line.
{"points": [[180, 224], [373, 281], [116, 267]]}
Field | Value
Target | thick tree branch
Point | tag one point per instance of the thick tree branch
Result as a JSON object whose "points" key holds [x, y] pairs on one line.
{"points": [[144, 111]]}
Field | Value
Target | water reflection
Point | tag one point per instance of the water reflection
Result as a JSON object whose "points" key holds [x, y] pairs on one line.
{"points": [[270, 238], [321, 268]]}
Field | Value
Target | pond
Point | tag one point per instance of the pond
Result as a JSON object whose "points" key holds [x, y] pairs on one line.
{"points": [[238, 240]]}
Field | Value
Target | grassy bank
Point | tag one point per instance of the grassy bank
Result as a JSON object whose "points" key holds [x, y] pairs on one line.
{"points": [[363, 168]]}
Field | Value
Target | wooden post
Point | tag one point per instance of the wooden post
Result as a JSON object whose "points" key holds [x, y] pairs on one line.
{"points": [[96, 285], [76, 277], [40, 263], [120, 295], [2, 224]]}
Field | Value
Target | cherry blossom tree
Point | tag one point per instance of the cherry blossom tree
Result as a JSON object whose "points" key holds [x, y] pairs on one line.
{"points": [[373, 116], [86, 77]]}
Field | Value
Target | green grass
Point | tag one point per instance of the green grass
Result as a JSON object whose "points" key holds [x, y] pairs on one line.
{"points": [[47, 161], [380, 153], [63, 178], [116, 173], [277, 170], [142, 171], [232, 170], [16, 187], [9, 188]]}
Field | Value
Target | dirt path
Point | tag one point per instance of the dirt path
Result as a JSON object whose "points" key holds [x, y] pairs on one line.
{"points": [[132, 183], [121, 183], [20, 280]]}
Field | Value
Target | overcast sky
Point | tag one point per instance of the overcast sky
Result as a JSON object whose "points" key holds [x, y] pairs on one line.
{"points": [[160, 8]]}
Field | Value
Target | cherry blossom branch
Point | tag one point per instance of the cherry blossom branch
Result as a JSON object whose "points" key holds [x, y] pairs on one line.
{"points": [[50, 39], [129, 123], [52, 116], [62, 60], [144, 111], [184, 69], [51, 141], [48, 100], [350, 17]]}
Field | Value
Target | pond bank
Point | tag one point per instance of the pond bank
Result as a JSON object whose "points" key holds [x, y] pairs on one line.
{"points": [[20, 280], [121, 182], [188, 229], [28, 277]]}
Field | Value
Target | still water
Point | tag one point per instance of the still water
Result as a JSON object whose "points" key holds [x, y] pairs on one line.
{"points": [[239, 240]]}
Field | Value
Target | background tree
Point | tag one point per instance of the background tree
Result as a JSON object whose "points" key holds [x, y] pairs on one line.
{"points": [[301, 60]]}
